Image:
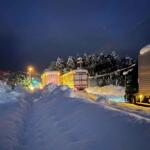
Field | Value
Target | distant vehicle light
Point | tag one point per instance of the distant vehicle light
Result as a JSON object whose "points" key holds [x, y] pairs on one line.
{"points": [[141, 96], [31, 88], [41, 87]]}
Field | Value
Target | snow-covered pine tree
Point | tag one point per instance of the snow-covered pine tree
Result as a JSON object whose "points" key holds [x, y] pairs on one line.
{"points": [[85, 60], [79, 62], [52, 65], [60, 64], [70, 63]]}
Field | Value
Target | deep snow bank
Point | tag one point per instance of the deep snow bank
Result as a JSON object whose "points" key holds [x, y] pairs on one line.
{"points": [[13, 108], [56, 120], [108, 93], [59, 122], [8, 95], [107, 90]]}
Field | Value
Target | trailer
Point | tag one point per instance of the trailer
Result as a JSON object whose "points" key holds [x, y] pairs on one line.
{"points": [[81, 79], [139, 91], [76, 79], [50, 77], [67, 79]]}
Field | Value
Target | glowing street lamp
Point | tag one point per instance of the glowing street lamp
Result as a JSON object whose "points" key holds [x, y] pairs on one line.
{"points": [[30, 71]]}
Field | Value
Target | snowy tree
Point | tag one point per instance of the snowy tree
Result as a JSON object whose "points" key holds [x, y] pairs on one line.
{"points": [[18, 78], [60, 64], [52, 65], [129, 60], [114, 55], [70, 63], [86, 61], [79, 61], [100, 63]]}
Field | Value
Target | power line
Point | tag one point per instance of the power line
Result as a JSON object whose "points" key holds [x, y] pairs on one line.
{"points": [[107, 74]]}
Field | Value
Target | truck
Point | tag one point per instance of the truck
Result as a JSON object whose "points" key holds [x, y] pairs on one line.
{"points": [[138, 85], [50, 77], [75, 79]]}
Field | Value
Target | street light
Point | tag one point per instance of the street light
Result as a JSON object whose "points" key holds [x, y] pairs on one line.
{"points": [[30, 70]]}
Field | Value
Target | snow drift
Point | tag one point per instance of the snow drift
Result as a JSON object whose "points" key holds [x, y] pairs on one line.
{"points": [[8, 95], [60, 122], [107, 90], [108, 93], [54, 120], [13, 108]]}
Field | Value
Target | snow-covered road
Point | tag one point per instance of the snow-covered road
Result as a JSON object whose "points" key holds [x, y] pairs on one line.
{"points": [[56, 119]]}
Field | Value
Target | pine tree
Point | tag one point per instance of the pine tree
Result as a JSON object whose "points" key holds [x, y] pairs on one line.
{"points": [[70, 63], [80, 62], [52, 65], [60, 64]]}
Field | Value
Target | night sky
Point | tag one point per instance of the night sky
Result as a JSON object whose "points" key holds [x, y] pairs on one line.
{"points": [[38, 31]]}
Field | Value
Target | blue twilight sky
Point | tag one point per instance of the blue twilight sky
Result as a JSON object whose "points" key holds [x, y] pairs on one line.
{"points": [[38, 31]]}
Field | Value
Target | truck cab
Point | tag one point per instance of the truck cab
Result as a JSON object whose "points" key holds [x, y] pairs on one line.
{"points": [[138, 91], [132, 85]]}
